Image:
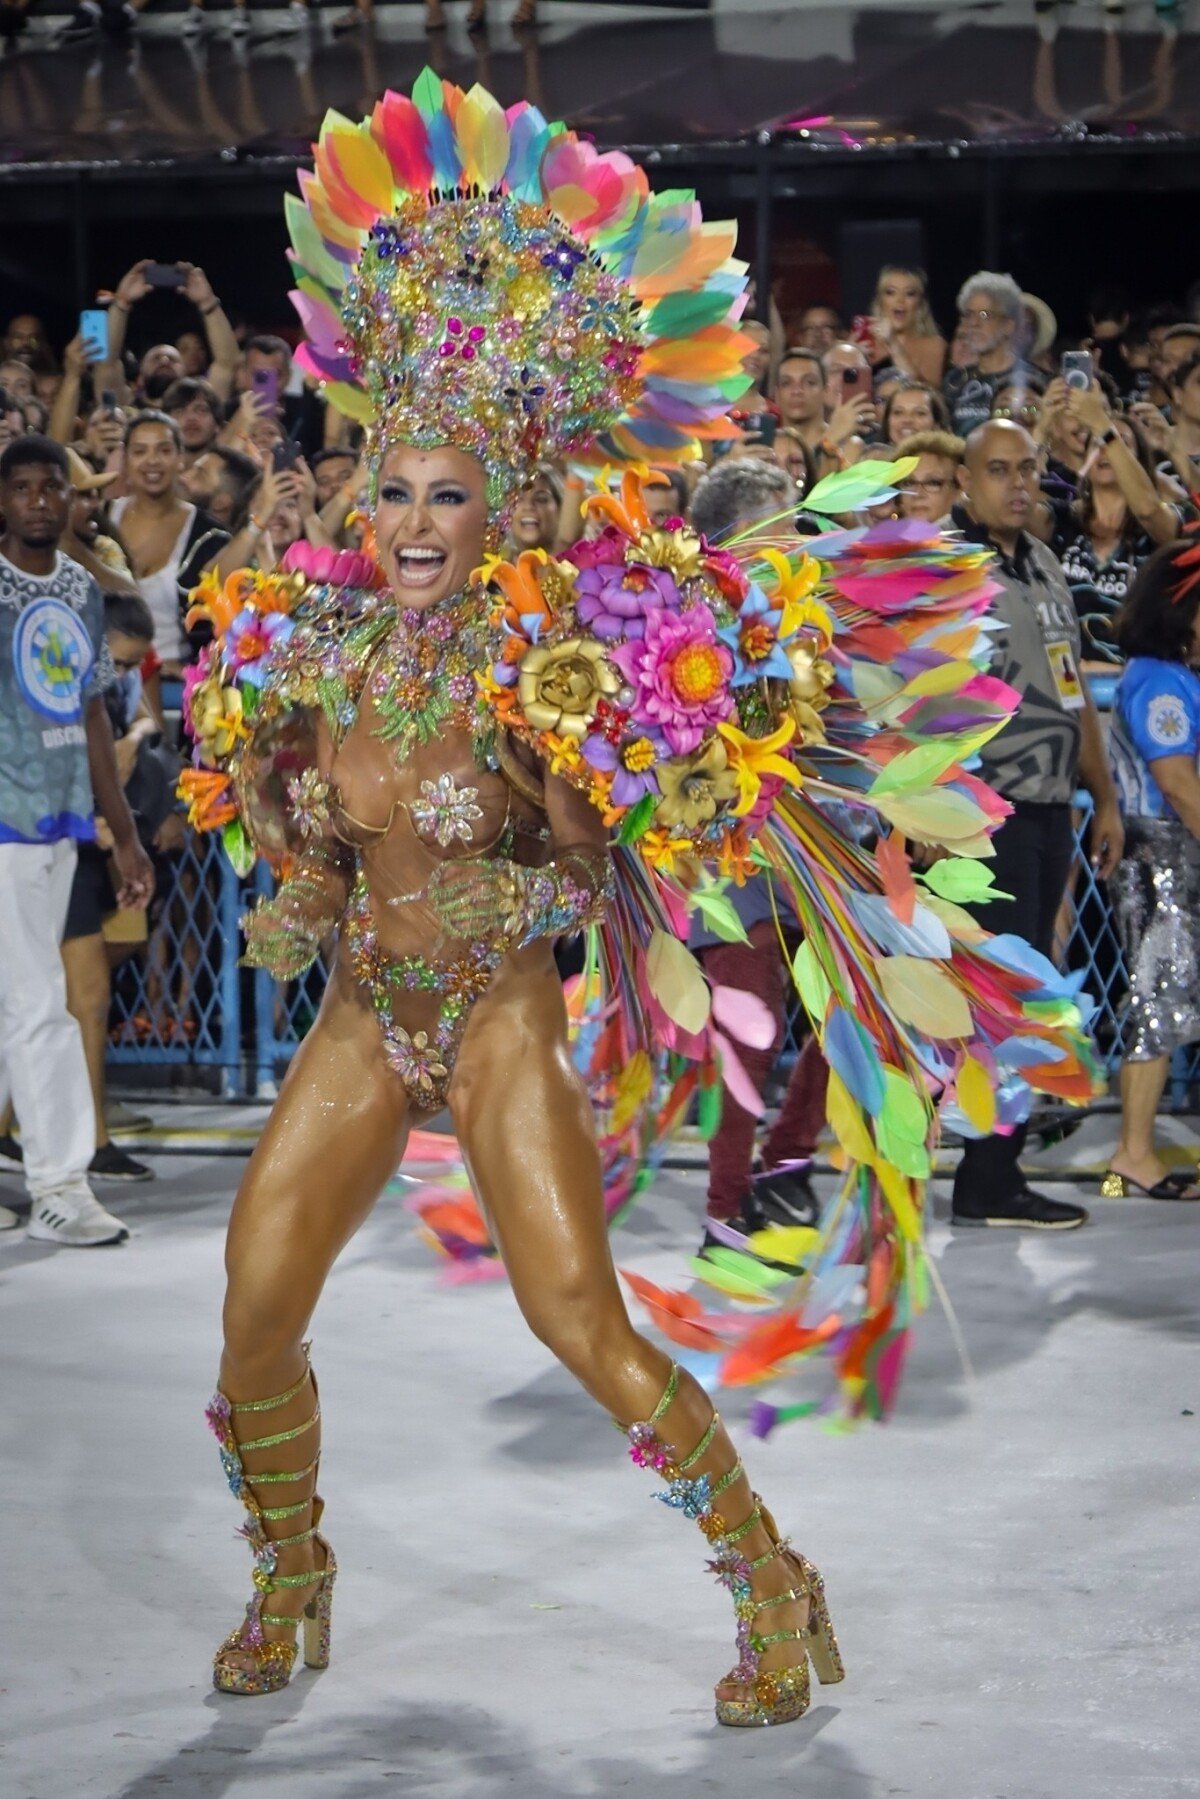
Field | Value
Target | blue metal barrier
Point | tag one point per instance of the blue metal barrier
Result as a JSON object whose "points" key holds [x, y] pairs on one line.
{"points": [[178, 1002], [185, 1000]]}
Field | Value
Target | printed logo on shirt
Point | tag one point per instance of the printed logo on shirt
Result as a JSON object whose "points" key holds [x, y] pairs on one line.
{"points": [[1166, 721], [52, 657]]}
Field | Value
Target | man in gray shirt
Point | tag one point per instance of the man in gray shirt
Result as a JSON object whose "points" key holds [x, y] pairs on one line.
{"points": [[56, 763], [1051, 744]]}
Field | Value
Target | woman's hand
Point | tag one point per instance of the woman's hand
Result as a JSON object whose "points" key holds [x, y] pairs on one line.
{"points": [[196, 286], [1089, 408], [76, 360], [470, 897]]}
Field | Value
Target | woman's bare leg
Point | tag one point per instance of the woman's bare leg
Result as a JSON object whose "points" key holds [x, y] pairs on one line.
{"points": [[334, 1138], [525, 1126], [89, 995], [1135, 1156]]}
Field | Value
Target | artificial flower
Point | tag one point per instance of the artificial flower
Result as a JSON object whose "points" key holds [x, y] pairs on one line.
{"points": [[735, 856], [605, 550], [680, 674], [792, 590], [810, 676], [614, 603], [754, 639], [754, 758], [664, 852], [216, 719], [208, 797], [695, 787], [250, 638], [726, 572], [675, 547], [526, 610], [559, 684], [632, 764]]}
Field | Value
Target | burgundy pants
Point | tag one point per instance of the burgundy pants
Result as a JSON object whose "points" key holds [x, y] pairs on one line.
{"points": [[757, 967]]}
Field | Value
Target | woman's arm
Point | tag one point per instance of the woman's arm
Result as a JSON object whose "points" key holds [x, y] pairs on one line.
{"points": [[222, 344], [64, 414], [1137, 489], [1180, 785], [1107, 833]]}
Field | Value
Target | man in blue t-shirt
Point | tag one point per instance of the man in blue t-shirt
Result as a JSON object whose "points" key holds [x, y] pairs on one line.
{"points": [[57, 766]]}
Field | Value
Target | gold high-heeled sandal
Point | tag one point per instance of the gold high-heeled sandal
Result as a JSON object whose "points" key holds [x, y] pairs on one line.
{"points": [[774, 1695], [272, 1658]]}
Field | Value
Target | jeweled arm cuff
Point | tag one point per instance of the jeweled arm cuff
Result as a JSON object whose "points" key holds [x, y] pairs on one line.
{"points": [[284, 934], [565, 895]]}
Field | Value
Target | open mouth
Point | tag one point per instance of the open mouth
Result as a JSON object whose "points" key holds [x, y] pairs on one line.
{"points": [[418, 567]]}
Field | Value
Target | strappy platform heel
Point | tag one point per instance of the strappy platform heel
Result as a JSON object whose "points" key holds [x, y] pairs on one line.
{"points": [[773, 1695], [271, 1659]]}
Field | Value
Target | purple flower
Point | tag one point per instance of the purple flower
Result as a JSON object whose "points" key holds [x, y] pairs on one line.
{"points": [[642, 751], [615, 602]]}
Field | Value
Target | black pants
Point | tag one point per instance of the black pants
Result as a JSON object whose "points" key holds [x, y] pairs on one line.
{"points": [[1033, 859]]}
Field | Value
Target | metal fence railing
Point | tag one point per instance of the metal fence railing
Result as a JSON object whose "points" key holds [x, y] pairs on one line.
{"points": [[184, 1000]]}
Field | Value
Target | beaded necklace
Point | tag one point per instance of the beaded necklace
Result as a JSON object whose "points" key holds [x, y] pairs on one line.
{"points": [[424, 676]]}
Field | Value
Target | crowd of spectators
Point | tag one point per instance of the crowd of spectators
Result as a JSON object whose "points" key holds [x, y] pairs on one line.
{"points": [[209, 451]]}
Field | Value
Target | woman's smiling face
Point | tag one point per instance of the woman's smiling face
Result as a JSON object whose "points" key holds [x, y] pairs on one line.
{"points": [[430, 520]]}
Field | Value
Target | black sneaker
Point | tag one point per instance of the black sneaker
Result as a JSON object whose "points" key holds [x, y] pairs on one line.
{"points": [[85, 23], [11, 1154], [112, 1164], [1025, 1211], [786, 1195]]}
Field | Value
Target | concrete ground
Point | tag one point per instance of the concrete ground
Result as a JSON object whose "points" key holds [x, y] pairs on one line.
{"points": [[1011, 1562]]}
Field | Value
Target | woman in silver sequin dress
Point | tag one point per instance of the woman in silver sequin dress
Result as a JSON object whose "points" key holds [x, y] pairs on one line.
{"points": [[1154, 747]]}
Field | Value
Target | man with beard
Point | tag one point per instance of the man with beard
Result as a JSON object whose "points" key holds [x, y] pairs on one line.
{"points": [[162, 364], [196, 407]]}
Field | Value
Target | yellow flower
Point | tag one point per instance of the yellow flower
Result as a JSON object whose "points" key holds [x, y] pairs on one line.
{"points": [[560, 683], [679, 552], [663, 851], [794, 584], [217, 719], [754, 758], [694, 787]]}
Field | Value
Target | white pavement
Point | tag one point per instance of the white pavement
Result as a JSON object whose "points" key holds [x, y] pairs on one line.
{"points": [[1012, 1564]]}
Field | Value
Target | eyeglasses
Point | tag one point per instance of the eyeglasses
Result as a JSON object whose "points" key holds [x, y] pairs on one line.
{"points": [[933, 484]]}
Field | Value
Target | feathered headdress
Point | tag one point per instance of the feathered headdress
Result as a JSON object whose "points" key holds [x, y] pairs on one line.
{"points": [[477, 277]]}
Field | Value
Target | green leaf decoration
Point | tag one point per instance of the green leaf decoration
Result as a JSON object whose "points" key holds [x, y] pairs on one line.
{"points": [[903, 1112], [637, 820], [918, 768], [812, 983], [963, 882], [708, 1111], [718, 913], [238, 847], [942, 816], [910, 1158], [864, 484]]}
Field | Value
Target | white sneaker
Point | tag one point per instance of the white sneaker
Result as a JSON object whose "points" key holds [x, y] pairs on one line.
{"points": [[8, 1220], [75, 1218]]}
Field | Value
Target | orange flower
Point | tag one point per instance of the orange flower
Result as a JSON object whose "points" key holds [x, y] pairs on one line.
{"points": [[628, 513], [521, 588], [209, 798]]}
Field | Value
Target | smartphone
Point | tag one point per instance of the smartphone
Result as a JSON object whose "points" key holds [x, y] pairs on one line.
{"points": [[285, 455], [1076, 369], [855, 382], [108, 400], [93, 329], [265, 383], [165, 274]]}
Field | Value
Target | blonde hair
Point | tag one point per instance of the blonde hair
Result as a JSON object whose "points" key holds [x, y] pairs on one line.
{"points": [[924, 323], [931, 443]]}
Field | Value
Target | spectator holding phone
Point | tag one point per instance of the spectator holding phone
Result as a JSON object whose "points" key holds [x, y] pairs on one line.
{"points": [[991, 312], [266, 370], [169, 539], [850, 412], [284, 512], [146, 277]]}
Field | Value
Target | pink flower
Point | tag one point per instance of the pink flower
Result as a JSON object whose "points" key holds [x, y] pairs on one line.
{"points": [[680, 672], [335, 568], [193, 675], [598, 552]]}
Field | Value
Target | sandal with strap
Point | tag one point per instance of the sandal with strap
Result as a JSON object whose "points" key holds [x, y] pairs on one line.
{"points": [[1172, 1186], [770, 1695], [264, 1664]]}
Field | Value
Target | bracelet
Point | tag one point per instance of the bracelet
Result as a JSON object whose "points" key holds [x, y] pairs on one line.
{"points": [[260, 524], [1106, 437], [207, 311]]}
